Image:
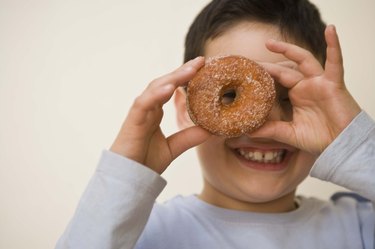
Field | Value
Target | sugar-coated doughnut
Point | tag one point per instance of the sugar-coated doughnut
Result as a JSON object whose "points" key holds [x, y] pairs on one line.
{"points": [[230, 96]]}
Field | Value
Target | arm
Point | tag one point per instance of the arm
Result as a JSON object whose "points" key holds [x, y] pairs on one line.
{"points": [[114, 207], [116, 204], [351, 164]]}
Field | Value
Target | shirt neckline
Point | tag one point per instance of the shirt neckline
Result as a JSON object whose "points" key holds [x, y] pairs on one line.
{"points": [[307, 207]]}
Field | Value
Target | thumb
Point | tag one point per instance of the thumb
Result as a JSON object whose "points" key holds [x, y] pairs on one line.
{"points": [[280, 131], [186, 139]]}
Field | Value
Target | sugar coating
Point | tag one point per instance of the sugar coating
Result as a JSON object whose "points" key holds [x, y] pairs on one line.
{"points": [[255, 95]]}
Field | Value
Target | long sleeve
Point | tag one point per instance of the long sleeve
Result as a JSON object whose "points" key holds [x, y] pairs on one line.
{"points": [[114, 207], [350, 160]]}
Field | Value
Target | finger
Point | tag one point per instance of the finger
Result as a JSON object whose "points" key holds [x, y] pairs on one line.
{"points": [[278, 130], [182, 74], [186, 139], [288, 63], [161, 90], [307, 63], [334, 69], [286, 76]]}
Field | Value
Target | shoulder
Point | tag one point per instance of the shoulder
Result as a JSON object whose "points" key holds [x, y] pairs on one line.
{"points": [[345, 209], [347, 217], [359, 211], [350, 211], [341, 202], [354, 205]]}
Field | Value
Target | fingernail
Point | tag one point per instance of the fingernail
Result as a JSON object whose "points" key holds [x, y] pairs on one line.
{"points": [[198, 58], [188, 68]]}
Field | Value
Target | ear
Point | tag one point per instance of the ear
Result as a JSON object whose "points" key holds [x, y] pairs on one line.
{"points": [[183, 119]]}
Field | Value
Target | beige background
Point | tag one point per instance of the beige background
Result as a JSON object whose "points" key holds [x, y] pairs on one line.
{"points": [[69, 71]]}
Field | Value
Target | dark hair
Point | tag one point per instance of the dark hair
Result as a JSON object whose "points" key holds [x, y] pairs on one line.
{"points": [[298, 20]]}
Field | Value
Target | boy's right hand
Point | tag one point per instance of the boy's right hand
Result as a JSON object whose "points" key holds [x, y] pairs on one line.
{"points": [[140, 137]]}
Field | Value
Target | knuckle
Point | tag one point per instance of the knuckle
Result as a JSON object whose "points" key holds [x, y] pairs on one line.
{"points": [[154, 83], [138, 102]]}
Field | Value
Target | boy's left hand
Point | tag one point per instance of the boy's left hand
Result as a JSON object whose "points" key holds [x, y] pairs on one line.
{"points": [[322, 106]]}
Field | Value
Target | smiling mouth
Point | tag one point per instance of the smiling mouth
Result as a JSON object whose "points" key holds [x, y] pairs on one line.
{"points": [[258, 156]]}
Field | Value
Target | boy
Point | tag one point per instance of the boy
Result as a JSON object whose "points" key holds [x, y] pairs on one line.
{"points": [[315, 127]]}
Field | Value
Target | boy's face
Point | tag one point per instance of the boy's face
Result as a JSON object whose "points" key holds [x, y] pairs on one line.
{"points": [[234, 177]]}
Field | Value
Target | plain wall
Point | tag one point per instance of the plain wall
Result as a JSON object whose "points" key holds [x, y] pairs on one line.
{"points": [[69, 71]]}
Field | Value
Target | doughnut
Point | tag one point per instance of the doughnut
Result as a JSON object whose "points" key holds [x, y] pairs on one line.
{"points": [[230, 96]]}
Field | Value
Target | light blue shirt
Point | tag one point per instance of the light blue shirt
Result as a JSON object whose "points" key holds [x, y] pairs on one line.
{"points": [[118, 208]]}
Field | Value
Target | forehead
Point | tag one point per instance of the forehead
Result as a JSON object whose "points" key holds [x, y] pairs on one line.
{"points": [[246, 39]]}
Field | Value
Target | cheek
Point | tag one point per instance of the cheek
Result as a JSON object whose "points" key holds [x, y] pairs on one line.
{"points": [[211, 152], [302, 166], [306, 160], [214, 158]]}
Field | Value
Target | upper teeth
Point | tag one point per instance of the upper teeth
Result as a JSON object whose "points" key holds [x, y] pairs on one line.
{"points": [[263, 157]]}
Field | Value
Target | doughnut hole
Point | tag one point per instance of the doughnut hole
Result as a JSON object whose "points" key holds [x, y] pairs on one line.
{"points": [[228, 95]]}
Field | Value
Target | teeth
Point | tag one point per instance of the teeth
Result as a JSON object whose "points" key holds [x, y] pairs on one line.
{"points": [[268, 156], [258, 156], [263, 157]]}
